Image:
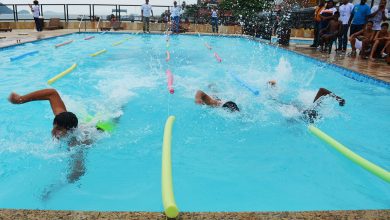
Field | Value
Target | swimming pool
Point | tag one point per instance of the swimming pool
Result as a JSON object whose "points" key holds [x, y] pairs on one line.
{"points": [[261, 159]]}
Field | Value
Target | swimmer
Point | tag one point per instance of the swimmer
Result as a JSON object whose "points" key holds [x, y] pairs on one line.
{"points": [[202, 98], [63, 122]]}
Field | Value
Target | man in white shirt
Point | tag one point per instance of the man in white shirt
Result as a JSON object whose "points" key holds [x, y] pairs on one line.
{"points": [[146, 11], [36, 13], [176, 11], [345, 13], [378, 14]]}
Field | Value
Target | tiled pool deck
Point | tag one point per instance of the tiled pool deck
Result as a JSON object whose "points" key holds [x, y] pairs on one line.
{"points": [[378, 69], [326, 215]]}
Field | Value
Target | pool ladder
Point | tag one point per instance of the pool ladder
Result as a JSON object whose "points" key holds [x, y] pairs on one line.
{"points": [[85, 24]]}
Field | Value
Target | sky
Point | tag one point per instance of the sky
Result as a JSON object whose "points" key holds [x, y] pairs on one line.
{"points": [[123, 2]]}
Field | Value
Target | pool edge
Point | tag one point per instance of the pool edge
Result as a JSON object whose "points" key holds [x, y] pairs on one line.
{"points": [[43, 214]]}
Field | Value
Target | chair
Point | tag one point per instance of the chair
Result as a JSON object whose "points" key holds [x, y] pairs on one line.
{"points": [[54, 24]]}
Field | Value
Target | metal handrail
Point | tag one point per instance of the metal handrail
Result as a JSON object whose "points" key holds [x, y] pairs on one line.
{"points": [[80, 22]]}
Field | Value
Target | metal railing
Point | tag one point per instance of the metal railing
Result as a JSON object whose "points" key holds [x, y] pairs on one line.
{"points": [[69, 12]]}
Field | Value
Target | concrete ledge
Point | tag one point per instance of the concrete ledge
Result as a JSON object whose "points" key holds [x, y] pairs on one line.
{"points": [[42, 214], [133, 26]]}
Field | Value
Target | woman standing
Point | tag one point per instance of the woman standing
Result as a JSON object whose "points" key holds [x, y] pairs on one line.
{"points": [[36, 13]]}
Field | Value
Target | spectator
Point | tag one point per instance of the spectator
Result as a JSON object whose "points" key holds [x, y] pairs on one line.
{"points": [[382, 38], [214, 19], [327, 14], [362, 40], [378, 14], [317, 20], [146, 11], [278, 12], [36, 13], [345, 13], [176, 11], [359, 17], [330, 33]]}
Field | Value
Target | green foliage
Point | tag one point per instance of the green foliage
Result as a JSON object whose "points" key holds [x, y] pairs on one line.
{"points": [[246, 8]]}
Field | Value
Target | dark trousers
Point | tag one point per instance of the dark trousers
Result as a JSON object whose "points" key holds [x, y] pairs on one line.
{"points": [[214, 24], [355, 28], [343, 38], [146, 24], [175, 24], [38, 24], [316, 40]]}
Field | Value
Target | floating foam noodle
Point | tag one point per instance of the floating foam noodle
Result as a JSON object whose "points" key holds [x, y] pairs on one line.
{"points": [[118, 43], [89, 38], [107, 126], [167, 44], [104, 32], [59, 76], [208, 46], [371, 167], [23, 55], [63, 44], [170, 82], [98, 53], [170, 207], [244, 84], [217, 57], [168, 56]]}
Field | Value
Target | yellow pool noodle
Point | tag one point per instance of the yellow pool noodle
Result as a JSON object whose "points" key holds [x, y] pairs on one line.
{"points": [[170, 207], [118, 43], [98, 53], [59, 76], [369, 166]]}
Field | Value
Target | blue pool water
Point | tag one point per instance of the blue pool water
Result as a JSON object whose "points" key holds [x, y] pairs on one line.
{"points": [[261, 159]]}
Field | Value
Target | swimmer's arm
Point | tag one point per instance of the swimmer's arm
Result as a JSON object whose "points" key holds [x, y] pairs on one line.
{"points": [[57, 105], [323, 92], [202, 98]]}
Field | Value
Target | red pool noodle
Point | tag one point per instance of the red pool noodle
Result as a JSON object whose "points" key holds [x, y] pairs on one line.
{"points": [[89, 38], [170, 82], [63, 44], [217, 57]]}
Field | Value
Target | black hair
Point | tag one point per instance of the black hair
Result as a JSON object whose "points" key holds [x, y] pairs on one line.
{"points": [[66, 120], [337, 13], [36, 2], [231, 106], [385, 24], [370, 22], [310, 115]]}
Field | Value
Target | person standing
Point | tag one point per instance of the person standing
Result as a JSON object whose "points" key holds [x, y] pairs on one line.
{"points": [[317, 20], [378, 14], [175, 15], [214, 19], [345, 13], [358, 17], [146, 11], [36, 13]]}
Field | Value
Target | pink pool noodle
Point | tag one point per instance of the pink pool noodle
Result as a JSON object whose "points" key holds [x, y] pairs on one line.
{"points": [[168, 56], [63, 44], [217, 57], [208, 46], [89, 38], [170, 82]]}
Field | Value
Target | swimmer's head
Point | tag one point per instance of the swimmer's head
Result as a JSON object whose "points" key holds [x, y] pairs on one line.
{"points": [[272, 82], [62, 123], [310, 115], [231, 106]]}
